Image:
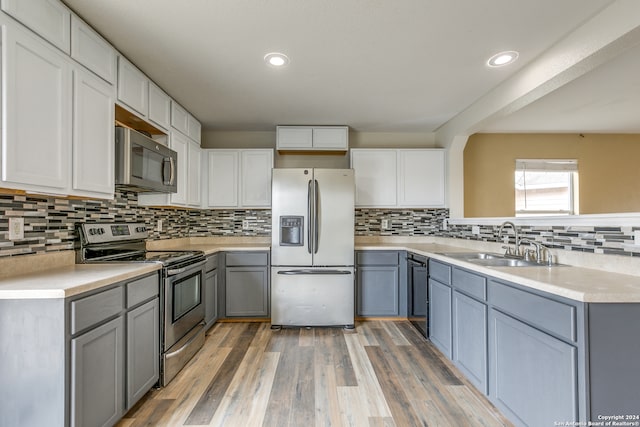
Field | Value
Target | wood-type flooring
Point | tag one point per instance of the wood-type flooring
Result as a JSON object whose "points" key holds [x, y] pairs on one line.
{"points": [[382, 373]]}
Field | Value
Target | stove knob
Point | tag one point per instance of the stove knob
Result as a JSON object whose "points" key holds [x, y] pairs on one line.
{"points": [[92, 231], [100, 231], [141, 229]]}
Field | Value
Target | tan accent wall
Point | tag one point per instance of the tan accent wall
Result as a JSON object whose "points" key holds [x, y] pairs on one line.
{"points": [[609, 177]]}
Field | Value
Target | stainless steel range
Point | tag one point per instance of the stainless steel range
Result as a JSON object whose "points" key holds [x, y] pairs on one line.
{"points": [[181, 293]]}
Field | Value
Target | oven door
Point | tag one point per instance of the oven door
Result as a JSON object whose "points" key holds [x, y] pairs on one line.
{"points": [[183, 304]]}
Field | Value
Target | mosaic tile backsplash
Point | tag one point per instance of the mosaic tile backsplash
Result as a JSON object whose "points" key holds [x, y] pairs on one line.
{"points": [[50, 225]]}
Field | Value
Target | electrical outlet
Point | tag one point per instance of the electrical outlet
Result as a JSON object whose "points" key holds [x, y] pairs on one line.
{"points": [[16, 228], [475, 229], [636, 237], [245, 224], [445, 224], [159, 226], [384, 224]]}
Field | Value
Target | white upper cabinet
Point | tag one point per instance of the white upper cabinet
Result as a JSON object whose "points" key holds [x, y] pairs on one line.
{"points": [[195, 129], [159, 107], [255, 177], [223, 177], [421, 178], [375, 176], [184, 122], [133, 87], [92, 51], [180, 144], [36, 121], [331, 138], [405, 178], [48, 18], [194, 198], [239, 178], [179, 118], [93, 135], [309, 138]]}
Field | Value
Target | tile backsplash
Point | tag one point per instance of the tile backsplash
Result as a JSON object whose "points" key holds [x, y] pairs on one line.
{"points": [[50, 225]]}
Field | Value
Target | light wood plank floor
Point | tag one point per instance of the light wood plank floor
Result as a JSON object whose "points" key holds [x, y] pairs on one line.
{"points": [[383, 373]]}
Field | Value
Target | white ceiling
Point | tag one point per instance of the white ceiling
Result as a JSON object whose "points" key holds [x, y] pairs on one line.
{"points": [[374, 65]]}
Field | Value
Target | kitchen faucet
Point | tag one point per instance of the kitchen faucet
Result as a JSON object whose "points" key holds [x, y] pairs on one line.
{"points": [[508, 252]]}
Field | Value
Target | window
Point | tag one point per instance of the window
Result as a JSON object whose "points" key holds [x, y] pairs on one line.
{"points": [[546, 187]]}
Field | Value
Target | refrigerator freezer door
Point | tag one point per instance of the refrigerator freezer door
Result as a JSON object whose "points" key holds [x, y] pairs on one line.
{"points": [[312, 296], [290, 206], [335, 217]]}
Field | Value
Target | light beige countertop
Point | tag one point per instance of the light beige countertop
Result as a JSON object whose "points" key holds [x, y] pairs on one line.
{"points": [[212, 245], [70, 280]]}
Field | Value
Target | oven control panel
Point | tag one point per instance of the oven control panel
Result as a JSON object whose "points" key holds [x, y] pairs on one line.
{"points": [[113, 232]]}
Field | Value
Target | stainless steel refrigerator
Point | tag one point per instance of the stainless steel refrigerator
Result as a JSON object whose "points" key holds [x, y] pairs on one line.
{"points": [[312, 274]]}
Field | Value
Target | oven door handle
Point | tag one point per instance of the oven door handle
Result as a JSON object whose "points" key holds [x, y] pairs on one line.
{"points": [[175, 271]]}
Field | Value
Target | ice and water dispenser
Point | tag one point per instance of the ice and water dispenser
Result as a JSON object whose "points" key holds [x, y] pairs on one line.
{"points": [[291, 230]]}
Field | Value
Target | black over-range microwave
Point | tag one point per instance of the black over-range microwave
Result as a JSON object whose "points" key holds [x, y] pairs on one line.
{"points": [[143, 164]]}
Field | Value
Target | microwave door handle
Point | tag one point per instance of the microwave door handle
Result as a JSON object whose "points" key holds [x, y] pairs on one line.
{"points": [[168, 161]]}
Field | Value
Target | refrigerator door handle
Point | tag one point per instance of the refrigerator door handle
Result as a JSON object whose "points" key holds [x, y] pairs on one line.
{"points": [[316, 220], [309, 213], [307, 271]]}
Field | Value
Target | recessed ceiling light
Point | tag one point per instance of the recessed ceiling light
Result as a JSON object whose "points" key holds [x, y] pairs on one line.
{"points": [[276, 59], [503, 58]]}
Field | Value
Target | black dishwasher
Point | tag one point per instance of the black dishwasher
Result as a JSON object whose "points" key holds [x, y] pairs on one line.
{"points": [[418, 299]]}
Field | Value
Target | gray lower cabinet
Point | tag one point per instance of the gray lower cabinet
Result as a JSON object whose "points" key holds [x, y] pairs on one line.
{"points": [[534, 375], [469, 321], [80, 361], [246, 286], [143, 342], [381, 288], [211, 291], [97, 375], [440, 316]]}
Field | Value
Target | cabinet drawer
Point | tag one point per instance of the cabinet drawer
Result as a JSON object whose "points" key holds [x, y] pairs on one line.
{"points": [[553, 316], [377, 258], [93, 309], [440, 272], [470, 283], [246, 258], [141, 290], [212, 262]]}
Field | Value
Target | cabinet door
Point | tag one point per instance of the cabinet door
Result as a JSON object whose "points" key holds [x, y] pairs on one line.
{"points": [[440, 316], [378, 291], [159, 107], [97, 375], [92, 51], [223, 178], [195, 129], [211, 297], [143, 350], [179, 118], [470, 339], [375, 172], [533, 375], [247, 291], [93, 135], [421, 178], [294, 138], [193, 171], [133, 87], [36, 91], [331, 138], [255, 181], [49, 18], [180, 144]]}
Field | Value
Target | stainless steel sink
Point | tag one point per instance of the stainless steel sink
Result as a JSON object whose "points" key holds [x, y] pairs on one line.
{"points": [[492, 259], [505, 262], [472, 255]]}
